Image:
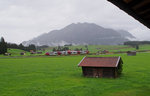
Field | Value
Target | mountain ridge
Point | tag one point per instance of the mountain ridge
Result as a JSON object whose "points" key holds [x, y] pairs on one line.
{"points": [[81, 33]]}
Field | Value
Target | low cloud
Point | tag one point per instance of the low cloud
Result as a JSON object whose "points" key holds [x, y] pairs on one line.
{"points": [[141, 34]]}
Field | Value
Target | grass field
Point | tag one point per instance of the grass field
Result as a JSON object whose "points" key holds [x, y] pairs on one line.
{"points": [[16, 52], [91, 48], [60, 76], [110, 48]]}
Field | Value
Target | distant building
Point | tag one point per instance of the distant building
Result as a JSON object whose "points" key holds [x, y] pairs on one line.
{"points": [[53, 53], [74, 52], [47, 53], [59, 52], [104, 52], [69, 52], [131, 53], [7, 54], [32, 52], [109, 67], [39, 52], [22, 53]]}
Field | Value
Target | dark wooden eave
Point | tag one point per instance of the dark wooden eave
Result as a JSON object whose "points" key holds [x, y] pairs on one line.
{"points": [[139, 9]]}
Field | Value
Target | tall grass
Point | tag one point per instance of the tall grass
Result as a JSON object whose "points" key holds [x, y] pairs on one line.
{"points": [[60, 76]]}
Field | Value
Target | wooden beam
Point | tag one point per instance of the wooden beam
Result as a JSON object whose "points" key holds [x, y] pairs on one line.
{"points": [[134, 3], [147, 17], [143, 8], [144, 12], [127, 1], [141, 4], [134, 13]]}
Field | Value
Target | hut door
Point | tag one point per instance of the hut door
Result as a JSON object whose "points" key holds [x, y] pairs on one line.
{"points": [[99, 72], [96, 72]]}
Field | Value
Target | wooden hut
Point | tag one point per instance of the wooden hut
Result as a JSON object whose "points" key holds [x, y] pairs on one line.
{"points": [[104, 52], [39, 52], [22, 53], [131, 53], [7, 54], [109, 67]]}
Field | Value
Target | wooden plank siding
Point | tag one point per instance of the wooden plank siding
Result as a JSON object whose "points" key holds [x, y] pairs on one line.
{"points": [[98, 72]]}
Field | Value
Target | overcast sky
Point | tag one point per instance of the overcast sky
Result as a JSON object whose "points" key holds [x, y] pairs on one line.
{"points": [[21, 20]]}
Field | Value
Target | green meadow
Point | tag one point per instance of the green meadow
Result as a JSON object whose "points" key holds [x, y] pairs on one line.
{"points": [[16, 53], [91, 48], [110, 48], [60, 76]]}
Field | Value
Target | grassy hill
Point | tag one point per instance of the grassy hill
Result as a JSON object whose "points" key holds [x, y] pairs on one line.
{"points": [[14, 52], [60, 76]]}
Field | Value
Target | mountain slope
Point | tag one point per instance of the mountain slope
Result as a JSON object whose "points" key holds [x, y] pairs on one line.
{"points": [[81, 33]]}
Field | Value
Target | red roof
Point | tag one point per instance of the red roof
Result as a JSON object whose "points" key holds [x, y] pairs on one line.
{"points": [[100, 62]]}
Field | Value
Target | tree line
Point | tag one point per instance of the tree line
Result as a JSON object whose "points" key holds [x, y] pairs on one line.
{"points": [[4, 46], [59, 48], [136, 44], [65, 48], [133, 43], [22, 47]]}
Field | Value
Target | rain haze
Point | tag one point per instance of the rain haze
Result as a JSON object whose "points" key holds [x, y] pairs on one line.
{"points": [[21, 20]]}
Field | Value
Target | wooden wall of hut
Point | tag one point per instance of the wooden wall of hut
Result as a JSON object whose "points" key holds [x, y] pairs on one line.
{"points": [[107, 72]]}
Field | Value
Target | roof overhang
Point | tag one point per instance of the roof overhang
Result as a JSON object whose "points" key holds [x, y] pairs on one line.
{"points": [[139, 9]]}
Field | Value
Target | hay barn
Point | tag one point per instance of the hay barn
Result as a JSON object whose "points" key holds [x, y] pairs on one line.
{"points": [[22, 53], [108, 67], [131, 53]]}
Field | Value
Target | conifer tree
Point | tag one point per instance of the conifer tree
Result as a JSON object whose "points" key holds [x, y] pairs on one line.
{"points": [[3, 46]]}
